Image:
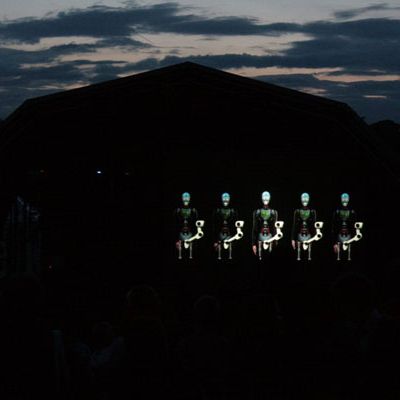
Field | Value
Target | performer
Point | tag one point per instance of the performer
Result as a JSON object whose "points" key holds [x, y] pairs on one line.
{"points": [[303, 229], [266, 227], [344, 227], [224, 226], [186, 218]]}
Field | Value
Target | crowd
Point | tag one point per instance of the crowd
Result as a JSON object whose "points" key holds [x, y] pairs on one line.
{"points": [[338, 342]]}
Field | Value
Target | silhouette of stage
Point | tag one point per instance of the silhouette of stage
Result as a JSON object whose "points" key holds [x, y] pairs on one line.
{"points": [[98, 170], [90, 179]]}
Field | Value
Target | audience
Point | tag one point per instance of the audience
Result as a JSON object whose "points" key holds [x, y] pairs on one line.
{"points": [[31, 353], [204, 354], [332, 342]]}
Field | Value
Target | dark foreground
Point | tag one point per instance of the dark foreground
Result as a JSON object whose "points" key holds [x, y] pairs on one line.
{"points": [[203, 330]]}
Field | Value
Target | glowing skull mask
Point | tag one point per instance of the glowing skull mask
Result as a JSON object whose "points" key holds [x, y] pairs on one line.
{"points": [[305, 199], [265, 197], [226, 198], [186, 198], [345, 198]]}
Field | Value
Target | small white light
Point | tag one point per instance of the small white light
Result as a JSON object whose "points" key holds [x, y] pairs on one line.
{"points": [[99, 172]]}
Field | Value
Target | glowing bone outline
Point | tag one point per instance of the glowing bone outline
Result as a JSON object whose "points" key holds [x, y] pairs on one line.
{"points": [[199, 234], [278, 235], [239, 234], [358, 236], [318, 235]]}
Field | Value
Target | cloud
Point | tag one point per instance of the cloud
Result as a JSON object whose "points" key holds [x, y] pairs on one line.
{"points": [[122, 22], [351, 54], [103, 21], [356, 12], [357, 94], [362, 47]]}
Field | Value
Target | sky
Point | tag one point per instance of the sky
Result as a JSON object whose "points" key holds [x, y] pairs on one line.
{"points": [[344, 50]]}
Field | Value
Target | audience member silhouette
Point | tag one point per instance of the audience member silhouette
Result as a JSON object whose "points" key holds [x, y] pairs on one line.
{"points": [[144, 371], [357, 322], [307, 341], [31, 354], [258, 344], [204, 355]]}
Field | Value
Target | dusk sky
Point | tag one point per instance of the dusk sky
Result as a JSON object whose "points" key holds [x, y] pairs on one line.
{"points": [[344, 50]]}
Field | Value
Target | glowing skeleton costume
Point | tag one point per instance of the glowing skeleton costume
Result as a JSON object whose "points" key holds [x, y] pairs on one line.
{"points": [[188, 226], [266, 227], [305, 229], [345, 229], [225, 222]]}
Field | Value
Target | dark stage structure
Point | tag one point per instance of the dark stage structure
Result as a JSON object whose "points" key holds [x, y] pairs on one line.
{"points": [[90, 177]]}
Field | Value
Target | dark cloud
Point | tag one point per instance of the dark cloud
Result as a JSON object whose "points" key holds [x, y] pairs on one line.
{"points": [[356, 12], [361, 44], [121, 22], [11, 58], [352, 55], [355, 94], [362, 47], [370, 28], [103, 21], [25, 74]]}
